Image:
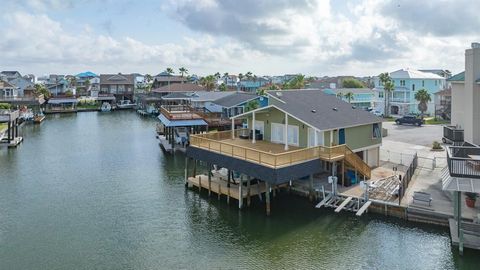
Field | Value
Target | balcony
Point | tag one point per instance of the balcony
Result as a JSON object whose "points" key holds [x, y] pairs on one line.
{"points": [[464, 161], [272, 155], [179, 112]]}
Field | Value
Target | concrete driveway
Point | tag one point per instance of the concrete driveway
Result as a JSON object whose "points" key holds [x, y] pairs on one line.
{"points": [[424, 135]]}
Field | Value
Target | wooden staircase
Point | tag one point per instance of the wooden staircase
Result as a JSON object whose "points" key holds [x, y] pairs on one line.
{"points": [[356, 162]]}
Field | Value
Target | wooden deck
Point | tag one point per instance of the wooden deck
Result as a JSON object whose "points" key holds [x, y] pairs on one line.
{"points": [[219, 187], [264, 146]]}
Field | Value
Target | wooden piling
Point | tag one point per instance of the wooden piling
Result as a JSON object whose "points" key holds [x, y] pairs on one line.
{"points": [[240, 194], [186, 171], [209, 166], [343, 172], [249, 179], [267, 199], [310, 188]]}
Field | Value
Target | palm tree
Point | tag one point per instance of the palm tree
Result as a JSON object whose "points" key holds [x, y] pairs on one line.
{"points": [[388, 87], [183, 71], [40, 89], [423, 97], [340, 95], [222, 87], [249, 75], [252, 105], [349, 96], [240, 77], [87, 84], [208, 82], [217, 75], [148, 78], [169, 71]]}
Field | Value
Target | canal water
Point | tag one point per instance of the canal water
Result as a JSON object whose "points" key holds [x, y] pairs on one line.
{"points": [[94, 191]]}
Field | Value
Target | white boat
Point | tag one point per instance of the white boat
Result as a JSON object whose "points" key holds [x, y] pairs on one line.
{"points": [[126, 104], [106, 107]]}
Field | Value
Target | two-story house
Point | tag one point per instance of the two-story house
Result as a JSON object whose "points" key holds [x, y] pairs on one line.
{"points": [[164, 78], [407, 82], [7, 90], [253, 84], [120, 85], [362, 97]]}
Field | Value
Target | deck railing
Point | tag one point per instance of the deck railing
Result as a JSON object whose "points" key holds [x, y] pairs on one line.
{"points": [[464, 161], [179, 112], [215, 141]]}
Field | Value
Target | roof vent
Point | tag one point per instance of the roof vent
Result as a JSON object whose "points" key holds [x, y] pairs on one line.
{"points": [[335, 109], [314, 111], [279, 94]]}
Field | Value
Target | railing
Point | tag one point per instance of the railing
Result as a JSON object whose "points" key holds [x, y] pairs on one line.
{"points": [[407, 177], [453, 134], [464, 161], [357, 162], [179, 112], [214, 141]]}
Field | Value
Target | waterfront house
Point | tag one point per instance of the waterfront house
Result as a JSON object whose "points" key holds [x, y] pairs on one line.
{"points": [[164, 78], [87, 83], [178, 88], [362, 97], [7, 90], [23, 85], [407, 82], [298, 134], [237, 103], [121, 86]]}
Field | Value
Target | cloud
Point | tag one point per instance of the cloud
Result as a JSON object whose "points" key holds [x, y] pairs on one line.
{"points": [[439, 18], [43, 44]]}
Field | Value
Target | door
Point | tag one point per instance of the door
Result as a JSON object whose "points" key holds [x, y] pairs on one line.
{"points": [[277, 133], [341, 136], [259, 125]]}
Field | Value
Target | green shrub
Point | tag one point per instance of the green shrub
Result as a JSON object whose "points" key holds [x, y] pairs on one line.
{"points": [[4, 106], [436, 145]]}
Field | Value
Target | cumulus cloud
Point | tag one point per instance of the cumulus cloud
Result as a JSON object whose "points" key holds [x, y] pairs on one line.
{"points": [[43, 43], [439, 18]]}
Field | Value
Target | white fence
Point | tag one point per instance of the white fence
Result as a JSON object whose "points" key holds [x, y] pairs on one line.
{"points": [[406, 159]]}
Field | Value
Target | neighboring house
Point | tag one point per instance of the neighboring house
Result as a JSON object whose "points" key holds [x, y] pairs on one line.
{"points": [[231, 81], [328, 82], [236, 103], [9, 75], [362, 97], [120, 85], [407, 82], [466, 96], [7, 90], [443, 103], [283, 78], [164, 79], [87, 82], [440, 72], [178, 88], [206, 100], [21, 84], [253, 84]]}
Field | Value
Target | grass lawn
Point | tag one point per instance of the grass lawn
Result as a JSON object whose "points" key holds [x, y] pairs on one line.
{"points": [[389, 119], [87, 106], [438, 121], [3, 126]]}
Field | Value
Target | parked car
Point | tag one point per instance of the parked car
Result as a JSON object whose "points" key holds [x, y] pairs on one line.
{"points": [[410, 119], [377, 113]]}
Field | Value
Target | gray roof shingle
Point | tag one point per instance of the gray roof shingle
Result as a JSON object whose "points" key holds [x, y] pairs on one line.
{"points": [[235, 99], [322, 111]]}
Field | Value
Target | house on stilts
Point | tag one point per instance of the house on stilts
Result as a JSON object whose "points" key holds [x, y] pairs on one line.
{"points": [[299, 134]]}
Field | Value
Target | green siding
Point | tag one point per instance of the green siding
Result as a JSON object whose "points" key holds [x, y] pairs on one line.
{"points": [[355, 137], [276, 116]]}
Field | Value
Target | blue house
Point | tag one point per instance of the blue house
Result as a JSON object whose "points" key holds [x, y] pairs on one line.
{"points": [[407, 82], [253, 84], [238, 102], [362, 97]]}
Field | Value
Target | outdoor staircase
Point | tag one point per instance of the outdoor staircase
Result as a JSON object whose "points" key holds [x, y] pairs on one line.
{"points": [[356, 162]]}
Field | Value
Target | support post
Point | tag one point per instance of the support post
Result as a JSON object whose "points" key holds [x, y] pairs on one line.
{"points": [[310, 188], [267, 199], [228, 179], [343, 172], [186, 171], [331, 137], [209, 179], [240, 193], [285, 132], [253, 127], [194, 168], [233, 128], [9, 131], [249, 179]]}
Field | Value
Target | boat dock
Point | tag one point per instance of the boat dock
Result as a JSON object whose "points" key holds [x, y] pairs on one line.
{"points": [[221, 187]]}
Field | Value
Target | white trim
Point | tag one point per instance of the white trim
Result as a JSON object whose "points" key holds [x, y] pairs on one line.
{"points": [[276, 97]]}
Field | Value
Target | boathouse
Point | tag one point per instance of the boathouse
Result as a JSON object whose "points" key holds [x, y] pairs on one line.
{"points": [[298, 134]]}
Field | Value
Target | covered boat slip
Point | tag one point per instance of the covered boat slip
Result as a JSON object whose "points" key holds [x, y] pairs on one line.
{"points": [[61, 105], [10, 135]]}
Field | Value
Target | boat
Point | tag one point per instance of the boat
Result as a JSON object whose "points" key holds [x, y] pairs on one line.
{"points": [[37, 119], [126, 104], [106, 107]]}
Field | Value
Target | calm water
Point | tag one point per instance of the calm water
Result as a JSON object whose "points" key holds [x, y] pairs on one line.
{"points": [[94, 191]]}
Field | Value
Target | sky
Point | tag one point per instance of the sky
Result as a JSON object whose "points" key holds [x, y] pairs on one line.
{"points": [[265, 37]]}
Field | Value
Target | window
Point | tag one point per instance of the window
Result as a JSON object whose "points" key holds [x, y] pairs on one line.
{"points": [[402, 82], [413, 87], [277, 133], [293, 135], [380, 94], [376, 131]]}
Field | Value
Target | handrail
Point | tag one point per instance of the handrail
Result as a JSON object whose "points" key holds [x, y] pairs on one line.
{"points": [[212, 141]]}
